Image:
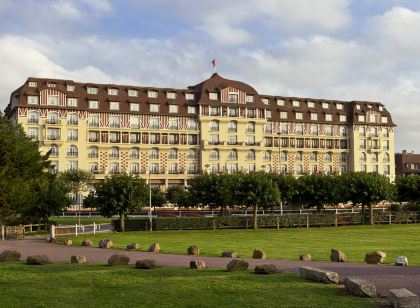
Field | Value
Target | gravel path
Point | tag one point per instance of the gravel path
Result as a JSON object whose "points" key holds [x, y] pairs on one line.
{"points": [[384, 277]]}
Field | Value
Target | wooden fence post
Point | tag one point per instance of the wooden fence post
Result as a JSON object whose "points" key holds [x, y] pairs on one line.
{"points": [[2, 232], [307, 221], [278, 222], [390, 217], [214, 224], [76, 229], [336, 222], [52, 231], [94, 228]]}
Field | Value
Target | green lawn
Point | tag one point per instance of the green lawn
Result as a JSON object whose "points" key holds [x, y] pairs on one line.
{"points": [[71, 285], [83, 220], [355, 241]]}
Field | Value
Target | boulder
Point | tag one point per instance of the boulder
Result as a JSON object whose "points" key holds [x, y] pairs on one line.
{"points": [[78, 259], [265, 269], [145, 264], [318, 275], [306, 257], [118, 259], [155, 247], [105, 243], [376, 257], [237, 265], [198, 264], [193, 250], [9, 255], [337, 256], [68, 242], [87, 243], [403, 298], [359, 287], [258, 254], [37, 260], [133, 246], [401, 261], [51, 240], [229, 254]]}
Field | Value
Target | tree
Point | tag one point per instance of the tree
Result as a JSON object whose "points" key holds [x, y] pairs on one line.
{"points": [[257, 189], [288, 187], [120, 195], [408, 188], [365, 189], [317, 190], [203, 190], [158, 198], [175, 195]]}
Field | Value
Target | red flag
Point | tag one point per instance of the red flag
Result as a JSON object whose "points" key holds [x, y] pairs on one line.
{"points": [[213, 62]]}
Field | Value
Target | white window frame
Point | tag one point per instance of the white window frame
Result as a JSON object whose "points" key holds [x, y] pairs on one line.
{"points": [[296, 103], [133, 92], [53, 98], [314, 116], [92, 90], [171, 95], [71, 102], [299, 115], [192, 110], [283, 114], [33, 100], [250, 98], [134, 107], [328, 117], [343, 118], [32, 84], [114, 105], [189, 96], [113, 91], [154, 107], [93, 104], [214, 96], [152, 94], [173, 108]]}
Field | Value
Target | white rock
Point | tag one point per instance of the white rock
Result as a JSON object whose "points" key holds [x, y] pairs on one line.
{"points": [[401, 261]]}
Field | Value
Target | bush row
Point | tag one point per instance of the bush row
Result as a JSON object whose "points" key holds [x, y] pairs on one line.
{"points": [[269, 221]]}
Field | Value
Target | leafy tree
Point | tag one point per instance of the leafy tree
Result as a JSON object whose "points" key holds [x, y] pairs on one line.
{"points": [[257, 189], [203, 190], [229, 188], [408, 188], [317, 190], [288, 187], [365, 189], [120, 194], [158, 198], [175, 195]]}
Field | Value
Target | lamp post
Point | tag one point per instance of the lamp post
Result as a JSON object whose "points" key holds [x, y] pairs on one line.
{"points": [[281, 202], [150, 202]]}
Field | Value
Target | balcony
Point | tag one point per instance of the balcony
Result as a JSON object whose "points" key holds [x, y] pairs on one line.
{"points": [[72, 122], [114, 171], [72, 154], [154, 156], [93, 155], [191, 156], [173, 171], [53, 137], [33, 121], [134, 156], [53, 121], [214, 157], [253, 143], [114, 156], [234, 143], [135, 126], [154, 171], [250, 130], [114, 125], [94, 139], [112, 140], [72, 138], [173, 127], [232, 129], [173, 157]]}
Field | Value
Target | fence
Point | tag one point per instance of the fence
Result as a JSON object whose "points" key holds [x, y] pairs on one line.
{"points": [[267, 221], [18, 232], [63, 230]]}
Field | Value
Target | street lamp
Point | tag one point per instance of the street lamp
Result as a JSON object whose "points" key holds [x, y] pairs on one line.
{"points": [[150, 201], [281, 202]]}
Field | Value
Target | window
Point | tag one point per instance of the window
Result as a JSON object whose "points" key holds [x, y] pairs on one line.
{"points": [[343, 118], [251, 168], [71, 87], [114, 105], [299, 115], [173, 168], [314, 116], [296, 103], [268, 128], [171, 95], [173, 124], [283, 156], [52, 100], [214, 154], [250, 140], [268, 113], [328, 157], [154, 153], [114, 121], [343, 157], [325, 105], [33, 117], [52, 118], [251, 113], [362, 156], [267, 155], [339, 106], [33, 100], [154, 123], [154, 138], [387, 170], [283, 169], [133, 92], [91, 90], [93, 136], [314, 130], [113, 91], [189, 96], [375, 157], [214, 139], [363, 168], [154, 108], [93, 152], [33, 133], [233, 98], [265, 101], [250, 127], [173, 154], [134, 107], [214, 168], [72, 134], [384, 119], [233, 155], [114, 137], [283, 114], [281, 102], [53, 166], [213, 96], [381, 108], [386, 144], [73, 119], [192, 154], [299, 169], [152, 94], [134, 153], [114, 152], [314, 156], [134, 168], [363, 144], [214, 111], [72, 151], [328, 117], [93, 104], [173, 108], [72, 102], [192, 124], [299, 129], [232, 126], [250, 155], [32, 84], [361, 118], [214, 125], [343, 131], [358, 107], [385, 132], [233, 112], [154, 168], [284, 128], [362, 131], [328, 130], [375, 168], [298, 156], [72, 165], [311, 105], [250, 98], [192, 110], [386, 158], [51, 85], [93, 121], [114, 168]]}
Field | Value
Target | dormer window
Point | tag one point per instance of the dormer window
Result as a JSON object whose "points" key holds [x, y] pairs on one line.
{"points": [[328, 117], [114, 105], [92, 90], [343, 118], [70, 87], [171, 95], [325, 105], [381, 108], [384, 119], [134, 107], [339, 106], [233, 98], [189, 96], [281, 102], [299, 116], [51, 85], [250, 98], [152, 94], [32, 84], [296, 103], [132, 92], [113, 91], [213, 96], [173, 108], [361, 118], [358, 107], [311, 105], [314, 116], [265, 101]]}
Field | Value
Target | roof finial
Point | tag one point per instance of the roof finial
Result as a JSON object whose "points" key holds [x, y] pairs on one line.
{"points": [[213, 62]]}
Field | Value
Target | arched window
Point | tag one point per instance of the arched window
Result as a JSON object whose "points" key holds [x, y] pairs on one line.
{"points": [[386, 158], [250, 127], [192, 154], [299, 169], [214, 154], [214, 125], [362, 156], [283, 156], [328, 157], [233, 155], [73, 151], [283, 168], [93, 152], [114, 152], [298, 156], [314, 156], [54, 150], [134, 153], [232, 126], [267, 155], [250, 155], [314, 169], [154, 153], [173, 153]]}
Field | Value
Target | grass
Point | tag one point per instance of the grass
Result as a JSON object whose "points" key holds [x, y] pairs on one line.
{"points": [[83, 220], [75, 285], [355, 241]]}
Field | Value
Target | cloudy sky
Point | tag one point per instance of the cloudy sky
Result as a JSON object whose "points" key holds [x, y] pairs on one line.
{"points": [[338, 49]]}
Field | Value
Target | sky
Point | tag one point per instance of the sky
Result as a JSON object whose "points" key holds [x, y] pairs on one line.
{"points": [[333, 49]]}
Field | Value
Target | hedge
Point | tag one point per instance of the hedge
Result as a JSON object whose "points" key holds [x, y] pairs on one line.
{"points": [[267, 221]]}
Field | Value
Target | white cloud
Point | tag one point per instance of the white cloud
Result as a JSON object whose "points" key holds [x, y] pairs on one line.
{"points": [[99, 5], [65, 9]]}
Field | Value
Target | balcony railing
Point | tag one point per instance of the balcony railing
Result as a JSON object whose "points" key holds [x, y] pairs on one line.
{"points": [[53, 137], [93, 155], [72, 122], [93, 124], [94, 139], [214, 157], [72, 154], [115, 125], [114, 156], [173, 127], [232, 129], [250, 157], [173, 156], [191, 156], [134, 156], [33, 121], [53, 121], [152, 126], [72, 138], [154, 156]]}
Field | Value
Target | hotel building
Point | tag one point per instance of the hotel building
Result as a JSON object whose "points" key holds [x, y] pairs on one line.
{"points": [[218, 125]]}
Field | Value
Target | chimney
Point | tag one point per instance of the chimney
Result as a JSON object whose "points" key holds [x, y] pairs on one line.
{"points": [[404, 151]]}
